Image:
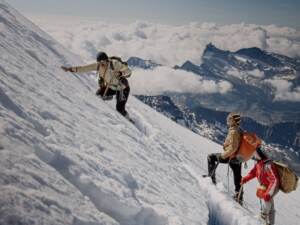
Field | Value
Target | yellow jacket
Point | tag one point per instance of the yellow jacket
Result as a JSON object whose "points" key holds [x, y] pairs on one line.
{"points": [[232, 142], [107, 75]]}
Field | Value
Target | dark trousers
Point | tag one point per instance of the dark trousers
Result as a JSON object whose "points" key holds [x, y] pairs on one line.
{"points": [[234, 164], [122, 95]]}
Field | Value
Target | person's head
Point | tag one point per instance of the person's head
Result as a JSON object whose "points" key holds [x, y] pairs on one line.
{"points": [[233, 119], [102, 58], [260, 154]]}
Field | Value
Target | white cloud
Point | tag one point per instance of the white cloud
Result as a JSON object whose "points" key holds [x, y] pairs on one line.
{"points": [[166, 44], [284, 90], [256, 73], [164, 79]]}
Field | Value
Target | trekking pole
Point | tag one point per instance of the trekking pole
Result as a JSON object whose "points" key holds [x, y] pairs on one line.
{"points": [[240, 192], [107, 87], [228, 176]]}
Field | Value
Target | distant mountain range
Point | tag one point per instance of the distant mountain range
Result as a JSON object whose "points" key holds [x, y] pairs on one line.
{"points": [[212, 124], [141, 63], [277, 122], [249, 71]]}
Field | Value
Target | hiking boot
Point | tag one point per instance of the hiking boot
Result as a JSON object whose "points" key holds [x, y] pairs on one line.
{"points": [[264, 216], [99, 92], [107, 97], [213, 179]]}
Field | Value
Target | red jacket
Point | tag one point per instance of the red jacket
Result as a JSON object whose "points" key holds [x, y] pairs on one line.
{"points": [[267, 175]]}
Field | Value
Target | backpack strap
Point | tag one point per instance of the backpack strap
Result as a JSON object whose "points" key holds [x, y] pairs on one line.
{"points": [[265, 162], [111, 65]]}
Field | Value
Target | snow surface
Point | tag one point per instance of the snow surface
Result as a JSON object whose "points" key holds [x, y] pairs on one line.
{"points": [[67, 157]]}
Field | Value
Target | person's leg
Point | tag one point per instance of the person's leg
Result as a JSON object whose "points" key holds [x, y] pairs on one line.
{"points": [[212, 160], [101, 88], [268, 210], [109, 94], [272, 213], [122, 97], [237, 176]]}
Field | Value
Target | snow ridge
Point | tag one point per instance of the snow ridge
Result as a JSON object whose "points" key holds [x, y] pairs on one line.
{"points": [[222, 209]]}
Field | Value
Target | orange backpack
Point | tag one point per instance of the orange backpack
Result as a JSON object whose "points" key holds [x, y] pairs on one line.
{"points": [[248, 145]]}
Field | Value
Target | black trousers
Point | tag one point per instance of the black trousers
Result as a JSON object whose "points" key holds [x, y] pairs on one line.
{"points": [[122, 95], [234, 164]]}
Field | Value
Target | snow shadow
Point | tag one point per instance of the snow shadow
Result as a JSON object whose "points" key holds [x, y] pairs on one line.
{"points": [[9, 104], [105, 201]]}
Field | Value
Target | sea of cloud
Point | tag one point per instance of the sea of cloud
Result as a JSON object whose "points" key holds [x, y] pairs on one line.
{"points": [[166, 79], [166, 44], [172, 45], [284, 90]]}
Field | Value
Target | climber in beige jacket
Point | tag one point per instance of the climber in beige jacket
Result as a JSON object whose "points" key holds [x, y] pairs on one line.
{"points": [[112, 78], [230, 147], [232, 141]]}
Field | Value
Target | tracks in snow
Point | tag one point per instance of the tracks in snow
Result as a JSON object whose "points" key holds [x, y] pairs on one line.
{"points": [[105, 201]]}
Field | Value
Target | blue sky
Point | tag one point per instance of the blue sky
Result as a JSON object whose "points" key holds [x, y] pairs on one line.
{"points": [[279, 12]]}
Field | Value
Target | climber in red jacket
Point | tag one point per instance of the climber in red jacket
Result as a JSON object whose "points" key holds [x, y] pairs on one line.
{"points": [[267, 176]]}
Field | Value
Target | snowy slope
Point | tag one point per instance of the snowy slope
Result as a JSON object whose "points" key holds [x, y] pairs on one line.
{"points": [[67, 157]]}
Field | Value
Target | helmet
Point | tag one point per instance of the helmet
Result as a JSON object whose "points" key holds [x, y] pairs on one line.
{"points": [[236, 117], [101, 56]]}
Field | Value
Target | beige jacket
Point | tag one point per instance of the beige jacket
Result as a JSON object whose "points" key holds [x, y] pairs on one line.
{"points": [[232, 142], [109, 76]]}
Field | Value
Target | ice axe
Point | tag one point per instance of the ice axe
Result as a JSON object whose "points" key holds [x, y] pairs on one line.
{"points": [[104, 97]]}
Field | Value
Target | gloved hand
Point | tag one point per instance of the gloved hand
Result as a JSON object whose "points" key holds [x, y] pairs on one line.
{"points": [[261, 192], [67, 69], [267, 197], [244, 181], [219, 157]]}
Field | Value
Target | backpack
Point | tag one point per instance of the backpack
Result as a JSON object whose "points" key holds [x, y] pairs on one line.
{"points": [[287, 178], [118, 59], [248, 145]]}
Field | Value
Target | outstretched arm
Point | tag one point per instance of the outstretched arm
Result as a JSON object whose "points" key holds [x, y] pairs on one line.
{"points": [[81, 69], [249, 176]]}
